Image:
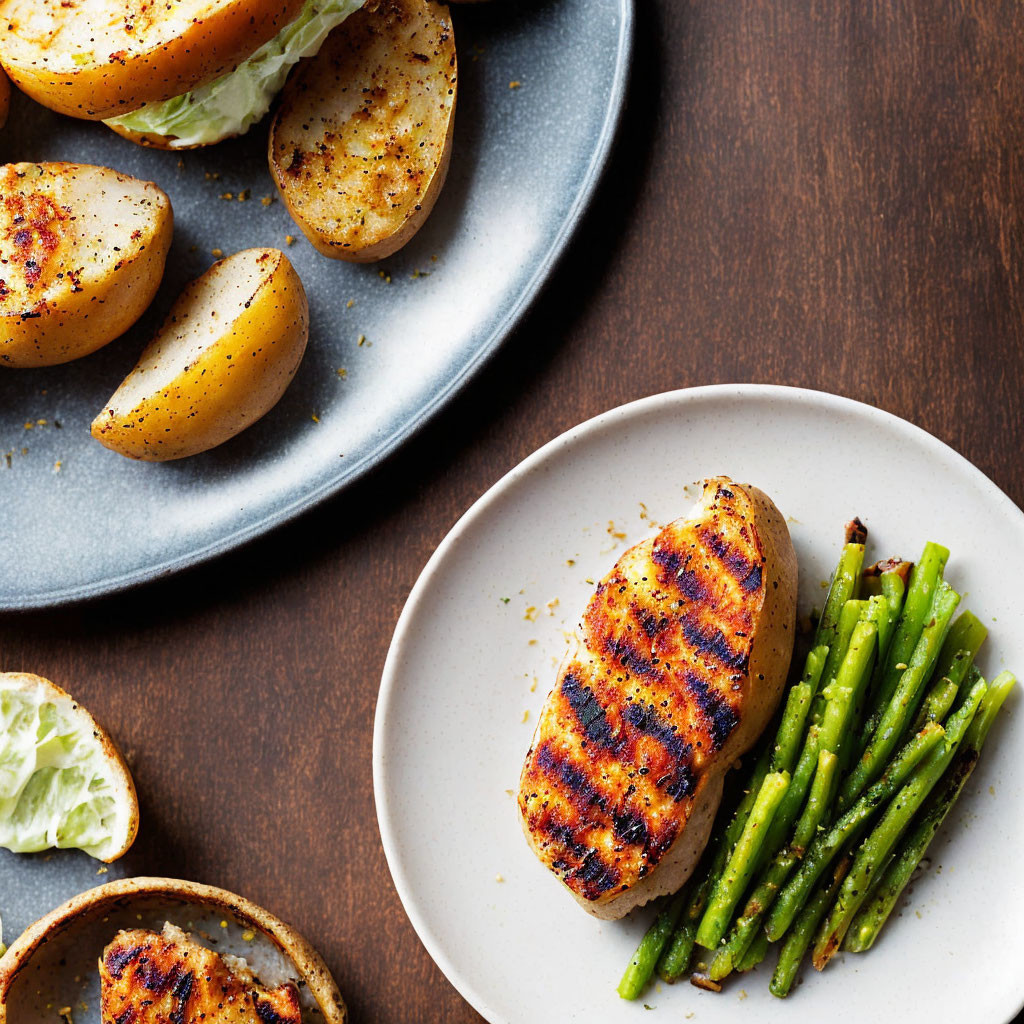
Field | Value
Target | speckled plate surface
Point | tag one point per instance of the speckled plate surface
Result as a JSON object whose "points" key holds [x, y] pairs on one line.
{"points": [[78, 520], [477, 646]]}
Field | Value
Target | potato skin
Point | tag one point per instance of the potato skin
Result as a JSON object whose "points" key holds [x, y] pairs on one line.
{"points": [[228, 380], [158, 58], [381, 94], [66, 291]]}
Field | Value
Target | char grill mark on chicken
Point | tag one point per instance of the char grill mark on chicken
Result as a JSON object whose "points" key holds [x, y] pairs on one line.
{"points": [[150, 978], [650, 696]]}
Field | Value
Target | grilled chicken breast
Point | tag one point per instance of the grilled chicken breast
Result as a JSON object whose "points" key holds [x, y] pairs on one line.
{"points": [[677, 666], [169, 979]]}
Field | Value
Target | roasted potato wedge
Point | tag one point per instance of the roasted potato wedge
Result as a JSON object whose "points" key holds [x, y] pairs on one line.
{"points": [[54, 961], [5, 98], [99, 58], [228, 349], [82, 252], [360, 145]]}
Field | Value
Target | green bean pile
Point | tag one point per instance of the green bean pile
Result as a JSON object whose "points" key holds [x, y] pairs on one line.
{"points": [[873, 746]]}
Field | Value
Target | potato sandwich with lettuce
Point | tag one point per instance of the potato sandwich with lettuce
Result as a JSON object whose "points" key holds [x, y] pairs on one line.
{"points": [[181, 74]]}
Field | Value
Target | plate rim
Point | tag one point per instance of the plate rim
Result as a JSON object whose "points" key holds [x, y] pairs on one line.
{"points": [[424, 414], [636, 408]]}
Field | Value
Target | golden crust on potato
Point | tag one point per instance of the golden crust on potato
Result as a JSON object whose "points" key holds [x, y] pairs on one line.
{"points": [[359, 148], [82, 252], [226, 353], [100, 58]]}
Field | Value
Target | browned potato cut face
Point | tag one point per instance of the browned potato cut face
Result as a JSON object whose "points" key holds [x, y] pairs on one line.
{"points": [[359, 148], [100, 58], [82, 252]]}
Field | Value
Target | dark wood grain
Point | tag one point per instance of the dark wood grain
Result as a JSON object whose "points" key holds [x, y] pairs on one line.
{"points": [[825, 194]]}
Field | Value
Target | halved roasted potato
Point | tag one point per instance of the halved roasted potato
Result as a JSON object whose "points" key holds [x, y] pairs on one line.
{"points": [[360, 145], [54, 963], [232, 103], [99, 58], [228, 349], [82, 252]]}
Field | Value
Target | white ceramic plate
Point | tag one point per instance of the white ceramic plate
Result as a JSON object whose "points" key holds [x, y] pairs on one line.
{"points": [[450, 733]]}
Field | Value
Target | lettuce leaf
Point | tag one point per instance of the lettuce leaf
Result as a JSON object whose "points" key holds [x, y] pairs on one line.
{"points": [[55, 783], [231, 104]]}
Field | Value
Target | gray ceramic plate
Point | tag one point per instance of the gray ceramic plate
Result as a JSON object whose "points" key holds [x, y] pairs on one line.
{"points": [[78, 521]]}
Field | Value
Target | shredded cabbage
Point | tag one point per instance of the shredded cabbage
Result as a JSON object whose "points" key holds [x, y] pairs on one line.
{"points": [[231, 104], [56, 788]]}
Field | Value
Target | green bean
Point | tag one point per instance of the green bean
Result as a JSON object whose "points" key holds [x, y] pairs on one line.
{"points": [[881, 614], [675, 956], [825, 847], [756, 952], [745, 930], [894, 590], [641, 967], [937, 702], [885, 892], [899, 712], [844, 586], [966, 634], [924, 578], [733, 882], [851, 614], [816, 809], [851, 678], [800, 935], [789, 738], [956, 658], [877, 848]]}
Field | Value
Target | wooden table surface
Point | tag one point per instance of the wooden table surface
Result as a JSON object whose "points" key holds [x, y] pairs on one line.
{"points": [[821, 194]]}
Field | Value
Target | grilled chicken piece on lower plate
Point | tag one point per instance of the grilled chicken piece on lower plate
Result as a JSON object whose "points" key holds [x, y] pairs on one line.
{"points": [[676, 668], [148, 978]]}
